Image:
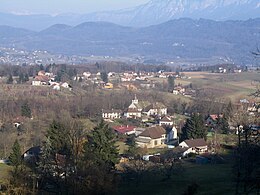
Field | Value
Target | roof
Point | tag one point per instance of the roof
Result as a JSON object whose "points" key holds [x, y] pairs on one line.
{"points": [[153, 132], [156, 105], [133, 110], [124, 129], [195, 142], [34, 150], [166, 119], [111, 111], [42, 78]]}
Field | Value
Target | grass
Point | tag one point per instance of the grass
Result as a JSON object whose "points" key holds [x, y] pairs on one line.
{"points": [[4, 172], [211, 179]]}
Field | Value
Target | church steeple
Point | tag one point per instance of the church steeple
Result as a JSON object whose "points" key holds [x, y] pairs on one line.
{"points": [[135, 101]]}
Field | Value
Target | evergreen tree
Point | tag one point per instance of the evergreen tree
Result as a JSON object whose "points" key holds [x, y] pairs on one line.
{"points": [[26, 77], [46, 157], [16, 155], [21, 78], [10, 80], [104, 77], [194, 128], [101, 146], [26, 110], [222, 124], [170, 83], [59, 138]]}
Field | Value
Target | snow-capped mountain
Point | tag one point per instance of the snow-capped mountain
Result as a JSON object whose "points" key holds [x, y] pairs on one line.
{"points": [[151, 13], [158, 11]]}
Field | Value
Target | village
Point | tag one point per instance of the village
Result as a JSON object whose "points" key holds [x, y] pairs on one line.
{"points": [[161, 121]]}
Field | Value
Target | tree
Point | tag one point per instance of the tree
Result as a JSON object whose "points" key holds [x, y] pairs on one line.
{"points": [[26, 110], [16, 155], [10, 79], [194, 128], [104, 77], [229, 111], [101, 146], [170, 83], [21, 78], [222, 124]]}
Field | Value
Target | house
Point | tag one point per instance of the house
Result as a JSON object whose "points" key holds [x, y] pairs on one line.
{"points": [[178, 90], [65, 85], [197, 146], [166, 121], [127, 130], [152, 137], [111, 114], [133, 113], [108, 86], [40, 80], [41, 73], [172, 134], [155, 109], [137, 108], [56, 86]]}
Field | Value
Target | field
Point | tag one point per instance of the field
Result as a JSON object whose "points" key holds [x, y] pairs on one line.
{"points": [[211, 179], [233, 86], [4, 172]]}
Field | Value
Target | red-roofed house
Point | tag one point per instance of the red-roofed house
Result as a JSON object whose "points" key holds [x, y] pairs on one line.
{"points": [[40, 80], [127, 130]]}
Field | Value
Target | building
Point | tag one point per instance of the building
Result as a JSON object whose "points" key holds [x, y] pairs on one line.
{"points": [[109, 86], [197, 146], [127, 130], [111, 114], [152, 137], [40, 80], [166, 121], [155, 109], [137, 108]]}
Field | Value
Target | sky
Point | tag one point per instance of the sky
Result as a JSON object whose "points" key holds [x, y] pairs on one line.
{"points": [[54, 7]]}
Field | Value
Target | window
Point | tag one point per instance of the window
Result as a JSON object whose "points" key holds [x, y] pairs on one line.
{"points": [[155, 142]]}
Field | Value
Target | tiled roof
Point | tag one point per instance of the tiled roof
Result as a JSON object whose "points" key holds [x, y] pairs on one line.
{"points": [[166, 119], [124, 129], [153, 132], [195, 142]]}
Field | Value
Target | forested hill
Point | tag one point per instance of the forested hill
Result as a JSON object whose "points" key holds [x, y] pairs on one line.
{"points": [[176, 39]]}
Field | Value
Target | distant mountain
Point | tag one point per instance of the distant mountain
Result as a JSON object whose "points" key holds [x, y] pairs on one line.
{"points": [[179, 39], [158, 11], [151, 13]]}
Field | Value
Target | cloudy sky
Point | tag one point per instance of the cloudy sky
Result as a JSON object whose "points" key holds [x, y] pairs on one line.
{"points": [[64, 6]]}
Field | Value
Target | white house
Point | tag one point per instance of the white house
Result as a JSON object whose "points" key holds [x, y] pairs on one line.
{"points": [[197, 146], [166, 121], [111, 114], [155, 109]]}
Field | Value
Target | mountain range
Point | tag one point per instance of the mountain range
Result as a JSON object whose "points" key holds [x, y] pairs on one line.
{"points": [[151, 13], [178, 39]]}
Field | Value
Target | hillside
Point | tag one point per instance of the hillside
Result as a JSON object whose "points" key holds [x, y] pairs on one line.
{"points": [[182, 39]]}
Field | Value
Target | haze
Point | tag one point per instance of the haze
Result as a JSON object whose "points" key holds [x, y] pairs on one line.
{"points": [[64, 6]]}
